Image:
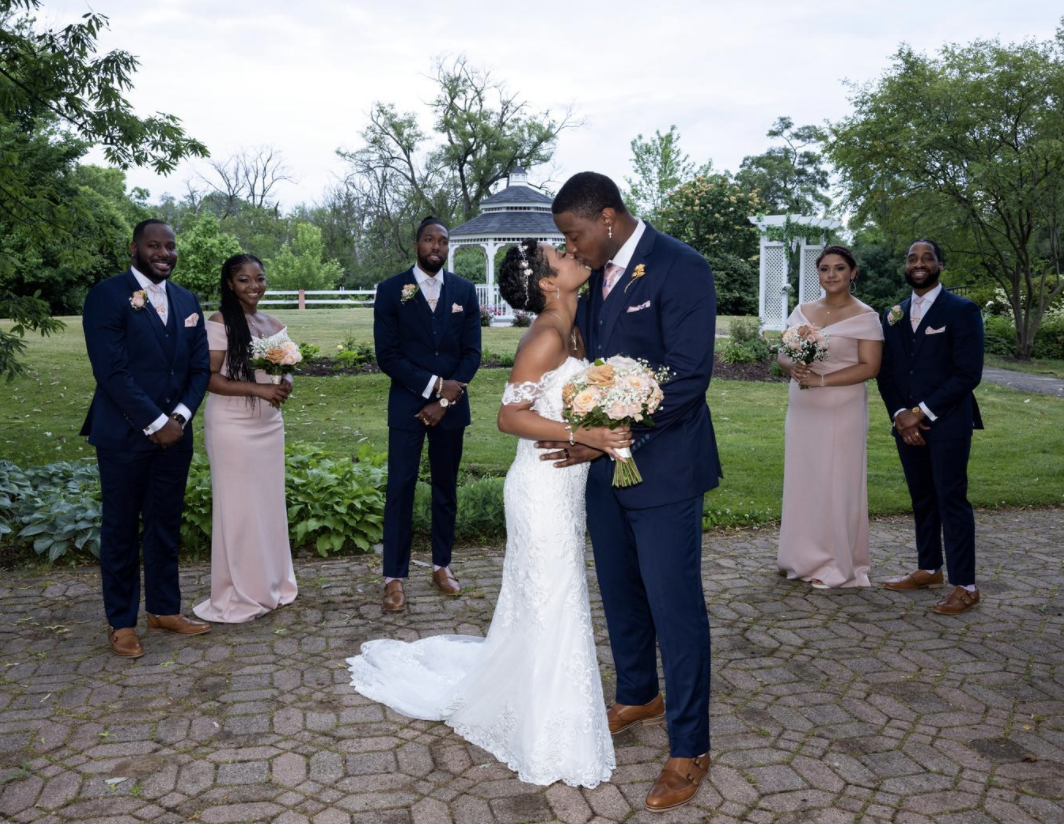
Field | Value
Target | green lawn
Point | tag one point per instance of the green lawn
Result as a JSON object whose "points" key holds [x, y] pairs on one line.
{"points": [[1047, 368], [1018, 461]]}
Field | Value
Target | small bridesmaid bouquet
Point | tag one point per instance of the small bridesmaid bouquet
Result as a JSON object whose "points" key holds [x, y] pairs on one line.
{"points": [[275, 355], [616, 392], [805, 344]]}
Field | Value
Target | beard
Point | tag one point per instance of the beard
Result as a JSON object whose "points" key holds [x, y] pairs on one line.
{"points": [[428, 267], [930, 283], [143, 265]]}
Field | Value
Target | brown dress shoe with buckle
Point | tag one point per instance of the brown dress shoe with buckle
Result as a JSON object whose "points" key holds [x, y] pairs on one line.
{"points": [[957, 602], [678, 783], [179, 624], [623, 716], [445, 582], [920, 579], [394, 597], [124, 642]]}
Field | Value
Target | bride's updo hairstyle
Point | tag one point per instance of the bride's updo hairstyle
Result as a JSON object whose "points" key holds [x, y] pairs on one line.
{"points": [[520, 272]]}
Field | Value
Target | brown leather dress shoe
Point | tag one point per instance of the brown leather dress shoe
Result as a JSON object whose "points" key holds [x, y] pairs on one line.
{"points": [[394, 597], [445, 582], [124, 642], [678, 783], [179, 624], [623, 716], [957, 602], [919, 579]]}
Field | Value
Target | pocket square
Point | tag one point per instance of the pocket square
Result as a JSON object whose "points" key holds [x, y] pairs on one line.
{"points": [[638, 308], [192, 320], [457, 307], [930, 331]]}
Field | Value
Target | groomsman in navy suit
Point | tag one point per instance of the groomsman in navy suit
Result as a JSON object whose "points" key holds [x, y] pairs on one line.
{"points": [[426, 331], [650, 297], [147, 344], [932, 362]]}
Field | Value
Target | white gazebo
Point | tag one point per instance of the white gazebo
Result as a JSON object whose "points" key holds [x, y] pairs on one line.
{"points": [[773, 283], [506, 218]]}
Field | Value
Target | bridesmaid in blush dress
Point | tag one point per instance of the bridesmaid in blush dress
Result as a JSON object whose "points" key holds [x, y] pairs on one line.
{"points": [[824, 531], [251, 560]]}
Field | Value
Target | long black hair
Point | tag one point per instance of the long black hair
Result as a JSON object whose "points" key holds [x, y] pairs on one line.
{"points": [[237, 331]]}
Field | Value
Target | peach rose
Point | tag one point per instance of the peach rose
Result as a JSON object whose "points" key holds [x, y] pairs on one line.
{"points": [[275, 354], [619, 410], [601, 376], [137, 300], [586, 401], [568, 393]]}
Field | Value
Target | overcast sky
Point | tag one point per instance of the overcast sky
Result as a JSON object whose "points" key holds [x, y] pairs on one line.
{"points": [[302, 76]]}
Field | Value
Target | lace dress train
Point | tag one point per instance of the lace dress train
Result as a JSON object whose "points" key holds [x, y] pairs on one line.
{"points": [[529, 692]]}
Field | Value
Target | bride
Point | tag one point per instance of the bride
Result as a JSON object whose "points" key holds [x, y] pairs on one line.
{"points": [[529, 692]]}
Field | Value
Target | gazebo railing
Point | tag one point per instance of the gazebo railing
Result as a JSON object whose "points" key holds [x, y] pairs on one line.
{"points": [[490, 298]]}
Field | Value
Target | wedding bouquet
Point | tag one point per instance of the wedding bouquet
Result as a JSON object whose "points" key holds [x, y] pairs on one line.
{"points": [[805, 343], [275, 355], [615, 392]]}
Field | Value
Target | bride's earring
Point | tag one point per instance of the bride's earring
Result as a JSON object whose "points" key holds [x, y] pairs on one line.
{"points": [[609, 228], [558, 293]]}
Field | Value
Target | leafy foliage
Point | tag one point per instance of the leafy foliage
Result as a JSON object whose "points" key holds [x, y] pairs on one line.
{"points": [[792, 178], [746, 344], [521, 320], [202, 249], [301, 263], [660, 166], [481, 515], [57, 506], [965, 147]]}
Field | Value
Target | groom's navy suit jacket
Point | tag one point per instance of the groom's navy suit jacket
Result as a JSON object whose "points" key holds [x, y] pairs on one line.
{"points": [[939, 364], [668, 318], [413, 343], [143, 368]]}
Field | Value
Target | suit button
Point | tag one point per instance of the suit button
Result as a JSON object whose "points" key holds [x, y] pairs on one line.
{"points": [[167, 401], [601, 322], [910, 371]]}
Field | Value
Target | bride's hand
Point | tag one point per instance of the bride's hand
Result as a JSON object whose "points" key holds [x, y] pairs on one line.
{"points": [[605, 439]]}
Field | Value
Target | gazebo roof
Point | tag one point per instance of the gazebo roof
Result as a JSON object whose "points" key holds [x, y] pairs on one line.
{"points": [[516, 210], [507, 223]]}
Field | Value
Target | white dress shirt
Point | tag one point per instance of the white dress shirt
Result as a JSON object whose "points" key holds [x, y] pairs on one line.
{"points": [[421, 277], [624, 254], [180, 409], [925, 307]]}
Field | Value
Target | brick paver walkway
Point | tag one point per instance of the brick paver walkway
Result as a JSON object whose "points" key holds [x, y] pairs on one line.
{"points": [[835, 707]]}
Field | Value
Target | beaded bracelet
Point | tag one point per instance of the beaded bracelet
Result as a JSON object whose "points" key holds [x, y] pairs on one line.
{"points": [[569, 429]]}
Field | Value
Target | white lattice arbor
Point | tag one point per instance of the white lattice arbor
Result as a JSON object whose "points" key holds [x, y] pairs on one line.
{"points": [[774, 281]]}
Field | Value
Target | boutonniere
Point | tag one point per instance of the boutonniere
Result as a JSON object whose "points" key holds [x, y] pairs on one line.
{"points": [[138, 299], [895, 314], [409, 291], [637, 273]]}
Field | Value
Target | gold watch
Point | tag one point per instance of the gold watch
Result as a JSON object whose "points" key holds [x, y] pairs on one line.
{"points": [[918, 412]]}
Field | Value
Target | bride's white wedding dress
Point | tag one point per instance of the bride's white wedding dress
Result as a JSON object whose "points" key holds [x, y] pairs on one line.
{"points": [[529, 692]]}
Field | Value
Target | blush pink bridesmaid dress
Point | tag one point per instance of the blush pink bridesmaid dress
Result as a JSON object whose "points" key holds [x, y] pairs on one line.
{"points": [[824, 530], [251, 560]]}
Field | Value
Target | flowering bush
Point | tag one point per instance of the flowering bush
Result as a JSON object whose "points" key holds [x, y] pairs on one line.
{"points": [[522, 319], [487, 315]]}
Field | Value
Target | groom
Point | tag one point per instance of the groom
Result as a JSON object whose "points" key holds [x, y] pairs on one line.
{"points": [[650, 297], [426, 332], [147, 344], [932, 362]]}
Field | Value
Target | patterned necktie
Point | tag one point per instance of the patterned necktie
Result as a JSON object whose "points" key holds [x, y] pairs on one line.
{"points": [[432, 292], [158, 299], [916, 312], [610, 277]]}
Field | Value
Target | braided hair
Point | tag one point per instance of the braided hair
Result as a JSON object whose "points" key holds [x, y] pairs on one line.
{"points": [[237, 331], [520, 272]]}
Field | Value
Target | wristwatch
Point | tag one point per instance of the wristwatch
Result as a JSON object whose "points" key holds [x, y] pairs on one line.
{"points": [[916, 410], [177, 416], [444, 402]]}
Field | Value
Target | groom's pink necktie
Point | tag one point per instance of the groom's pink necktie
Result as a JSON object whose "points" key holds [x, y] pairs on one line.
{"points": [[916, 312], [610, 277]]}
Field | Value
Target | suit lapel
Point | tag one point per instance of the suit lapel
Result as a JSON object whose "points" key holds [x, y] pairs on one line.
{"points": [[937, 309], [420, 303], [147, 318], [444, 303], [619, 298]]}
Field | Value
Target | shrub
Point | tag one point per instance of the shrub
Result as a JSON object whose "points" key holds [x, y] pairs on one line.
{"points": [[490, 359], [58, 506], [999, 336], [487, 315], [351, 353], [309, 351], [746, 343], [1049, 342], [481, 517], [521, 319]]}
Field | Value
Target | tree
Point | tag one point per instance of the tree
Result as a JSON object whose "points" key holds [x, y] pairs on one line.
{"points": [[54, 84], [792, 178], [660, 167], [301, 264], [711, 214], [481, 133], [966, 148], [201, 251], [247, 178]]}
